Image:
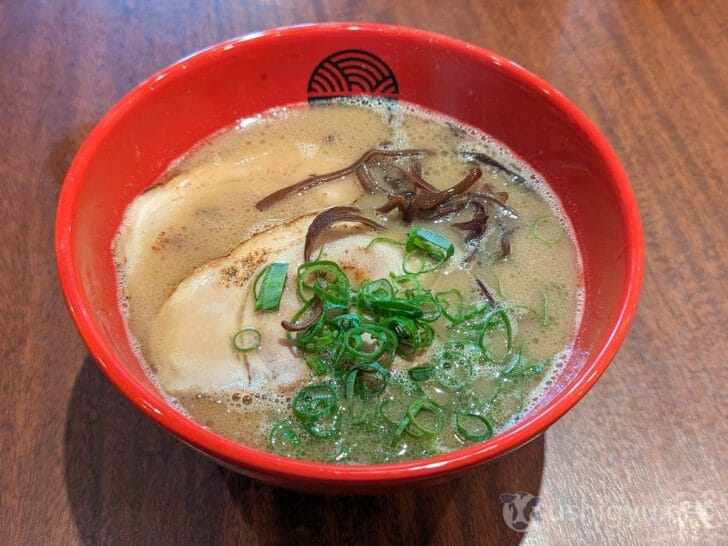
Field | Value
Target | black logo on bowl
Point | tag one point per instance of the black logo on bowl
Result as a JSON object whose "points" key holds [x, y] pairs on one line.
{"points": [[350, 73]]}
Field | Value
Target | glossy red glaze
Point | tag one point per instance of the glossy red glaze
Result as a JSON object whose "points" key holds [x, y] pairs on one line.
{"points": [[164, 116]]}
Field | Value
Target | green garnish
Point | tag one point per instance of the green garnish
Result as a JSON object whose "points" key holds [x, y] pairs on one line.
{"points": [[378, 341], [430, 308], [422, 409], [427, 249], [545, 319], [406, 285], [324, 280], [283, 438], [317, 365], [552, 294], [499, 289], [547, 230], [316, 407], [246, 339], [314, 403], [363, 385], [520, 368], [423, 418], [497, 337], [451, 302], [412, 335], [473, 427], [372, 323], [349, 337], [393, 308], [433, 244], [380, 289], [268, 286], [421, 373], [386, 240]]}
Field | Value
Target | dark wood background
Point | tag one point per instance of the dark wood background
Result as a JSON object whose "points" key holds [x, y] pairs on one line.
{"points": [[641, 460]]}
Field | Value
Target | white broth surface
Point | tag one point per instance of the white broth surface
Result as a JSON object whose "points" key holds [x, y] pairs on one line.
{"points": [[499, 314]]}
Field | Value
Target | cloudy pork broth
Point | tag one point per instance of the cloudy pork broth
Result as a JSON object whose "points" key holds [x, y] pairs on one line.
{"points": [[417, 300]]}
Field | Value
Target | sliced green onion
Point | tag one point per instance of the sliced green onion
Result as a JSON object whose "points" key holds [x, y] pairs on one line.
{"points": [[363, 417], [431, 243], [386, 240], [421, 373], [382, 339], [423, 245], [355, 333], [246, 339], [473, 427], [320, 336], [399, 431], [346, 321], [451, 310], [519, 367], [547, 230], [406, 284], [380, 289], [359, 371], [498, 289], [523, 311], [325, 280], [268, 287], [415, 263], [515, 363], [283, 437], [371, 292], [396, 308], [545, 319], [427, 334], [507, 403], [320, 254], [317, 365], [302, 311], [426, 407], [407, 334], [431, 308], [535, 369], [351, 384], [475, 310], [314, 402], [492, 321]]}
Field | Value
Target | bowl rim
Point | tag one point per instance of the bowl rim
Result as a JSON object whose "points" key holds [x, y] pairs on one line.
{"points": [[264, 463]]}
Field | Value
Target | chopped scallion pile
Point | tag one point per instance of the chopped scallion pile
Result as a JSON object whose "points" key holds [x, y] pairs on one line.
{"points": [[350, 337]]}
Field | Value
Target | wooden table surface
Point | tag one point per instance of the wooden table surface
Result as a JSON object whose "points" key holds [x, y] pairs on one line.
{"points": [[642, 459]]}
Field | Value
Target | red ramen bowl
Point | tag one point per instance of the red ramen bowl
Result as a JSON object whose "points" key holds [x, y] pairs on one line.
{"points": [[167, 114]]}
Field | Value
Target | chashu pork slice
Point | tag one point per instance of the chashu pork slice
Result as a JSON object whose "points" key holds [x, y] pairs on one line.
{"points": [[191, 343], [162, 210]]}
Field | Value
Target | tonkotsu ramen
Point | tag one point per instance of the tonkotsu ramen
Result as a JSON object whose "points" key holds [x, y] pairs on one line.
{"points": [[352, 281]]}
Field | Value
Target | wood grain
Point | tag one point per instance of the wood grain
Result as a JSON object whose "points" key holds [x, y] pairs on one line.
{"points": [[641, 460]]}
